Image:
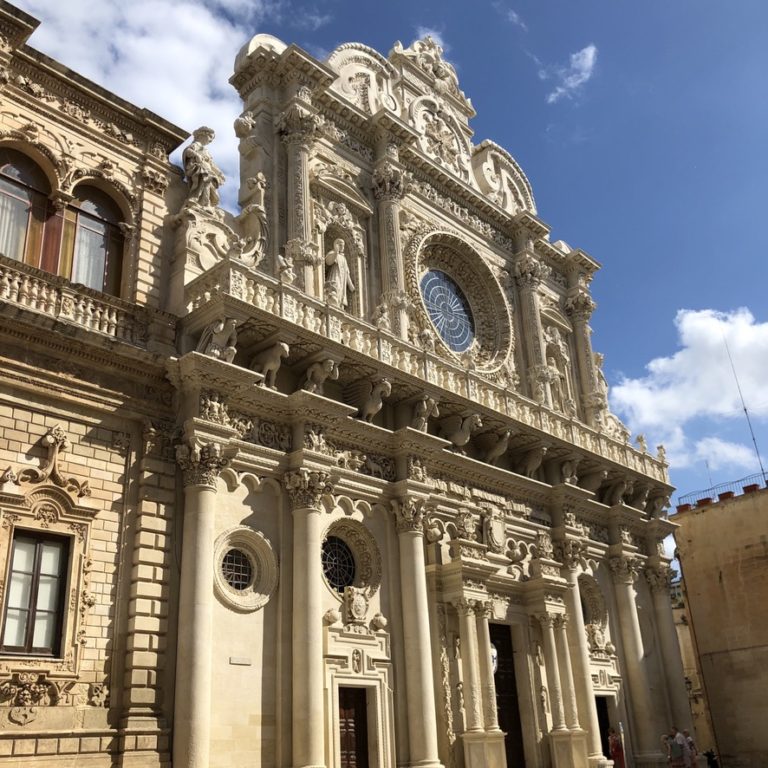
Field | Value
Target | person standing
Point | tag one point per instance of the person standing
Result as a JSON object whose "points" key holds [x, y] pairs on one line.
{"points": [[615, 748], [679, 752]]}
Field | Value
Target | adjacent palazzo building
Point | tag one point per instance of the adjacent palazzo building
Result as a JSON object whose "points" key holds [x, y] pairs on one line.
{"points": [[329, 482]]}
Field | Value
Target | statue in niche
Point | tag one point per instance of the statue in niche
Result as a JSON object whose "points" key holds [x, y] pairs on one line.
{"points": [[218, 340], [337, 276], [203, 175], [424, 409], [318, 373], [557, 385], [268, 362], [602, 384]]}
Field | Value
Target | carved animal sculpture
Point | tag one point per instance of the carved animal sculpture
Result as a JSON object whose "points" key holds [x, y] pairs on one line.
{"points": [[218, 340], [615, 492], [318, 373], [424, 408], [458, 429], [532, 461], [499, 448], [268, 362], [375, 400], [373, 468]]}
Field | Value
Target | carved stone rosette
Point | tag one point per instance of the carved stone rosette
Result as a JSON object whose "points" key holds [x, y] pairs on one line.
{"points": [[200, 464], [306, 487]]}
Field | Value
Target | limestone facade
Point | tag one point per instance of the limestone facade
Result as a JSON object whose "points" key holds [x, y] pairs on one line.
{"points": [[330, 482], [721, 546]]}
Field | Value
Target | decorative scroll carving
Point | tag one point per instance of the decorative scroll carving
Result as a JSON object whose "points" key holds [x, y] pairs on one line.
{"points": [[56, 443], [306, 487]]}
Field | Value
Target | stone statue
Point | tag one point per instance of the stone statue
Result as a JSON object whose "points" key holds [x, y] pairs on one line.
{"points": [[375, 400], [458, 429], [531, 461], [268, 362], [218, 340], [337, 277], [318, 373], [259, 183], [602, 384], [498, 448], [285, 269], [203, 175], [424, 408], [557, 385]]}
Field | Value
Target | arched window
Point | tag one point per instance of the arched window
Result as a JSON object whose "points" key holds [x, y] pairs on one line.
{"points": [[24, 208], [92, 244], [83, 242]]}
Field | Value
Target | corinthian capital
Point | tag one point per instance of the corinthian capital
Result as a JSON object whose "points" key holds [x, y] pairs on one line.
{"points": [[546, 619], [409, 515], [528, 271], [200, 464], [299, 124], [580, 305], [388, 181], [306, 487], [465, 607], [659, 577], [624, 569], [569, 552]]}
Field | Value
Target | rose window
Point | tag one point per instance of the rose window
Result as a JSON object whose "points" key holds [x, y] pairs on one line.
{"points": [[448, 310], [338, 563], [237, 569]]}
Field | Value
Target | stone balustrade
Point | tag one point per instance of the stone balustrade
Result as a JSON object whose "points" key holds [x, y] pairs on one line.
{"points": [[58, 299], [268, 294]]}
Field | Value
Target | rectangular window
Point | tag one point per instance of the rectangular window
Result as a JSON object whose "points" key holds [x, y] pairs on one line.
{"points": [[37, 581]]}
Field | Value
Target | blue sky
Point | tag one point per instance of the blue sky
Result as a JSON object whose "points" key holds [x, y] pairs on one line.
{"points": [[641, 125]]}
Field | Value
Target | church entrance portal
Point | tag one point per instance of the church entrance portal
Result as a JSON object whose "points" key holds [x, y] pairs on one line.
{"points": [[353, 728], [506, 694]]}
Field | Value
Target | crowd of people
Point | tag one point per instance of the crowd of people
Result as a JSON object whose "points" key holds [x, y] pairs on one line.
{"points": [[680, 749]]}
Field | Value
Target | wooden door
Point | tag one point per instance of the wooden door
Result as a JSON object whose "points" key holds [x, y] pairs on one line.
{"points": [[507, 703], [353, 728]]}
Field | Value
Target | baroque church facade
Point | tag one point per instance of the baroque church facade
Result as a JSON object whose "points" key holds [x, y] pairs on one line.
{"points": [[329, 482]]}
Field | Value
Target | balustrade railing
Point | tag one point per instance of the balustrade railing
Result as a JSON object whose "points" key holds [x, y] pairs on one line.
{"points": [[288, 302], [59, 299]]}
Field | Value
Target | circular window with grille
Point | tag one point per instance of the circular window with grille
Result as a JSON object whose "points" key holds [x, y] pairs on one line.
{"points": [[338, 563], [246, 569]]}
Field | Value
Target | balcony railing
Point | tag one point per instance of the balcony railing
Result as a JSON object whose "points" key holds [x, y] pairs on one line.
{"points": [[63, 301], [735, 487], [268, 294]]}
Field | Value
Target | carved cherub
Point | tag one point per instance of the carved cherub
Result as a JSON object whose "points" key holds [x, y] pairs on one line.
{"points": [[218, 340], [268, 362], [424, 408], [459, 429], [375, 400], [318, 373]]}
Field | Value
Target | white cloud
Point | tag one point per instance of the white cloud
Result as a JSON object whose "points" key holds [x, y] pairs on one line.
{"points": [[173, 57], [694, 390], [511, 15], [570, 79]]}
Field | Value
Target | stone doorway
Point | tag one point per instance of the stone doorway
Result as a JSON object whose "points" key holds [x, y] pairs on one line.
{"points": [[507, 703], [604, 721], [353, 728]]}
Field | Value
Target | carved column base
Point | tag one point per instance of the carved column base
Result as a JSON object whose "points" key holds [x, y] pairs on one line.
{"points": [[569, 749], [484, 750]]}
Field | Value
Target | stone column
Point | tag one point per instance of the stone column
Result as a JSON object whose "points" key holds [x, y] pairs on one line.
{"points": [[469, 664], [528, 275], [389, 188], [547, 621], [298, 126], [420, 692], [305, 489], [659, 578], [566, 673], [483, 612], [200, 467], [579, 307], [568, 553], [646, 726]]}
